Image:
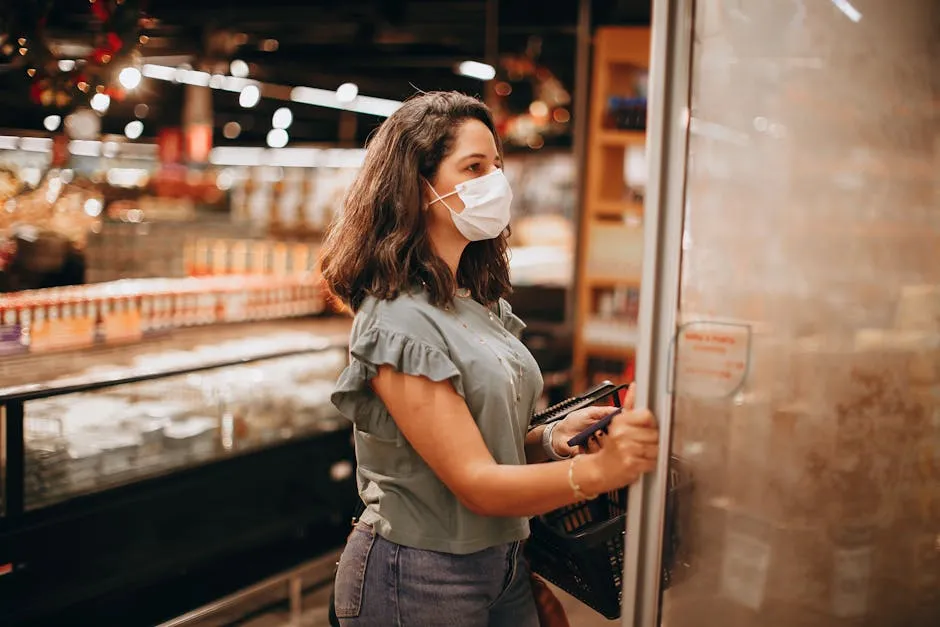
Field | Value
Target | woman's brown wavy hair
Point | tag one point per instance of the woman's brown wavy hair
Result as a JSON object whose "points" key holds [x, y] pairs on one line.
{"points": [[379, 245]]}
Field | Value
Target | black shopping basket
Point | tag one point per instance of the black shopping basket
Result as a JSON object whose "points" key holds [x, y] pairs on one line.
{"points": [[579, 548]]}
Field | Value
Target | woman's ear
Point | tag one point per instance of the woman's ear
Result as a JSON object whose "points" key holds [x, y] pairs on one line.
{"points": [[425, 193]]}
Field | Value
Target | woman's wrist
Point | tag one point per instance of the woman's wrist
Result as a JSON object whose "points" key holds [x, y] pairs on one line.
{"points": [[548, 443], [585, 474]]}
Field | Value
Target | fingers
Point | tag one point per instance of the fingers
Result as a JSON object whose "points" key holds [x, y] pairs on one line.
{"points": [[640, 450], [637, 418], [634, 426], [636, 438], [629, 399], [642, 435], [597, 412], [649, 452], [645, 444], [645, 466], [595, 442], [640, 430]]}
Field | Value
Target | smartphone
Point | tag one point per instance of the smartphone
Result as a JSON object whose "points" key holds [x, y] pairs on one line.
{"points": [[601, 425]]}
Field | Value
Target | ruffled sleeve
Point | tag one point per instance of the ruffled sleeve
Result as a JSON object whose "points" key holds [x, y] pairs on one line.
{"points": [[511, 321], [379, 346]]}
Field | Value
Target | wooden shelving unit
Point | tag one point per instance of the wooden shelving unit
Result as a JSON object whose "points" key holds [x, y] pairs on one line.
{"points": [[610, 232]]}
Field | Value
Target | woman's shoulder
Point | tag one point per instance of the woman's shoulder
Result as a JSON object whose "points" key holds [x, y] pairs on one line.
{"points": [[409, 313], [402, 306]]}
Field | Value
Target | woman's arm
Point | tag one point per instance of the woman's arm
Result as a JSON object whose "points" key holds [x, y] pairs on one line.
{"points": [[436, 422], [534, 451]]}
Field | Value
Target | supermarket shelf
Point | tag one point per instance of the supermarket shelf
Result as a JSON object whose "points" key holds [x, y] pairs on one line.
{"points": [[46, 373], [621, 138], [610, 234], [610, 335], [594, 349], [97, 381], [616, 208], [619, 280]]}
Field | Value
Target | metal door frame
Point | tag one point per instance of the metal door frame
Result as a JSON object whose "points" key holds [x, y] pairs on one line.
{"points": [[666, 149]]}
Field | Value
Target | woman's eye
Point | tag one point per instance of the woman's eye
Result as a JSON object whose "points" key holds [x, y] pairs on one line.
{"points": [[473, 167]]}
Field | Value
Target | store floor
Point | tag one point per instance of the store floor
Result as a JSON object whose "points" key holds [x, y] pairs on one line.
{"points": [[315, 613]]}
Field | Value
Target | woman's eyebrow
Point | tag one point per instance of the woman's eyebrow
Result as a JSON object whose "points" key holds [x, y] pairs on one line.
{"points": [[476, 155]]}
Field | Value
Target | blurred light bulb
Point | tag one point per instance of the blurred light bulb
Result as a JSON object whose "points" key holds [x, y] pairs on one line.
{"points": [[277, 138], [134, 129], [475, 69], [225, 180], [535, 142], [52, 122], [66, 65], [347, 92], [100, 102], [503, 89], [282, 118], [93, 207], [562, 116], [249, 96], [238, 68], [130, 77], [231, 130], [538, 109]]}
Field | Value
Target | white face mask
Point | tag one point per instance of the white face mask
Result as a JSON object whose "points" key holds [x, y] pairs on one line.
{"points": [[486, 202]]}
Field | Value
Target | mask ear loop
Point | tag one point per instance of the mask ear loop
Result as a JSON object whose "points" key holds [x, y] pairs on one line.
{"points": [[437, 197]]}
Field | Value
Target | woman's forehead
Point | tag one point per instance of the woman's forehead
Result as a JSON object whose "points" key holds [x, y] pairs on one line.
{"points": [[473, 137]]}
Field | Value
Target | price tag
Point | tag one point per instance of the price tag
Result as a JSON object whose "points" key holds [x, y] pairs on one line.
{"points": [[11, 339]]}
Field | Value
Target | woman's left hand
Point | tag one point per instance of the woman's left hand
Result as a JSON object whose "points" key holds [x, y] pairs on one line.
{"points": [[577, 421]]}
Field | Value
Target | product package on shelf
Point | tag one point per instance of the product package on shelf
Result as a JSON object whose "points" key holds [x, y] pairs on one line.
{"points": [[125, 311], [218, 256], [614, 321], [128, 250]]}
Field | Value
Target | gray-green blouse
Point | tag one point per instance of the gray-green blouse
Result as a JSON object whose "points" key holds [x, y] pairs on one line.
{"points": [[475, 348]]}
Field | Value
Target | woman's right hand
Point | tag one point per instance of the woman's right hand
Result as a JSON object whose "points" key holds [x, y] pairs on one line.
{"points": [[628, 450]]}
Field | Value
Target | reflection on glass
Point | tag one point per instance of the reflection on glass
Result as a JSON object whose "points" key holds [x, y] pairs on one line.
{"points": [[80, 443], [813, 220]]}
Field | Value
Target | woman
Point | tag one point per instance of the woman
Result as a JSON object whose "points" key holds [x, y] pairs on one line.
{"points": [[441, 390]]}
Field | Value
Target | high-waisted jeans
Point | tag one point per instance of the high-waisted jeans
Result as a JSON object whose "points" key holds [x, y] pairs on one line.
{"points": [[383, 584]]}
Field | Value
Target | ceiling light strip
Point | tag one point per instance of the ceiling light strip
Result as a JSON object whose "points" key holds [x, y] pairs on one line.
{"points": [[369, 105], [287, 157]]}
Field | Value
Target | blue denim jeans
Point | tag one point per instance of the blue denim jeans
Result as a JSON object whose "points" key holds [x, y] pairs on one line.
{"points": [[383, 584]]}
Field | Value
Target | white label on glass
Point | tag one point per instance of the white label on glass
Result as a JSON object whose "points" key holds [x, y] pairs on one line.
{"points": [[711, 358], [851, 572], [744, 571]]}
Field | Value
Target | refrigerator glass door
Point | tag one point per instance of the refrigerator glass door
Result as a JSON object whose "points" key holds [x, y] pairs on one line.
{"points": [[792, 347]]}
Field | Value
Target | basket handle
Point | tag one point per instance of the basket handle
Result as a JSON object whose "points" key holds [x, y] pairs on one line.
{"points": [[597, 534]]}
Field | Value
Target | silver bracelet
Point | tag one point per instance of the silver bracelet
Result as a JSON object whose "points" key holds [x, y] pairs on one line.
{"points": [[547, 443]]}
